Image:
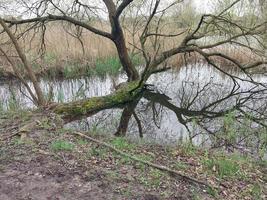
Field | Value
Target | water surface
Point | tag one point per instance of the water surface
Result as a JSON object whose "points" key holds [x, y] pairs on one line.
{"points": [[196, 98]]}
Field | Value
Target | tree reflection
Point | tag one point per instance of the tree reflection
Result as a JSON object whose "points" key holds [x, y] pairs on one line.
{"points": [[231, 117]]}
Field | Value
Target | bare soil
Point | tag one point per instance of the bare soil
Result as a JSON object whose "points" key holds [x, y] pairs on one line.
{"points": [[50, 163], [31, 169]]}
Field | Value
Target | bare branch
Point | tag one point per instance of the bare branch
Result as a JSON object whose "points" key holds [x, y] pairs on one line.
{"points": [[61, 18], [122, 6]]}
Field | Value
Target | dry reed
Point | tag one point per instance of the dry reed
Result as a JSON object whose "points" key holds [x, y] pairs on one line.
{"points": [[63, 49]]}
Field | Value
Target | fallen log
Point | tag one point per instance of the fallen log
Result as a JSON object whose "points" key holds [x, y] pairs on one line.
{"points": [[87, 107]]}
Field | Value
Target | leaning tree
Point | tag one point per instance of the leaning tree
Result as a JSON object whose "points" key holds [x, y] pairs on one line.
{"points": [[157, 35]]}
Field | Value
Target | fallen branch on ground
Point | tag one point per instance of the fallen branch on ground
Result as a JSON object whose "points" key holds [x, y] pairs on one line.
{"points": [[22, 131], [159, 167], [10, 136]]}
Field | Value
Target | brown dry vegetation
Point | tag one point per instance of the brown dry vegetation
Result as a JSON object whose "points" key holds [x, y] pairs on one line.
{"points": [[62, 49]]}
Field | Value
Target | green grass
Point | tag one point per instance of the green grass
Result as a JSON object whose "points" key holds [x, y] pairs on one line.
{"points": [[50, 58], [257, 192], [213, 192], [156, 176], [62, 145], [18, 141], [76, 68], [222, 166], [71, 70], [95, 152], [145, 157], [122, 143], [110, 65], [60, 96], [144, 180], [152, 179], [13, 104], [82, 142], [137, 60], [188, 149], [2, 72], [122, 160], [180, 165], [2, 110]]}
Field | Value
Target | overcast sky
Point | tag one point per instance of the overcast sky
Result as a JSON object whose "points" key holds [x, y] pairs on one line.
{"points": [[201, 6]]}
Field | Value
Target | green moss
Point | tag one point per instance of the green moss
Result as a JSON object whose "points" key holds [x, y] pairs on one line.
{"points": [[94, 104]]}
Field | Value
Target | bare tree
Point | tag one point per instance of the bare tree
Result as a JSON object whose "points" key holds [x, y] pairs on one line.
{"points": [[151, 18]]}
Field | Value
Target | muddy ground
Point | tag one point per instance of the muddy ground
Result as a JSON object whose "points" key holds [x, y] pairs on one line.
{"points": [[51, 163], [31, 173]]}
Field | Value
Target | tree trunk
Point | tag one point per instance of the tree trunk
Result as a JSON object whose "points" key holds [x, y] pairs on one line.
{"points": [[125, 60], [84, 108], [40, 96], [119, 40], [125, 119]]}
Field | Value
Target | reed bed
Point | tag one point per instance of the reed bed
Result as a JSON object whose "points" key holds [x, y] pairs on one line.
{"points": [[68, 56]]}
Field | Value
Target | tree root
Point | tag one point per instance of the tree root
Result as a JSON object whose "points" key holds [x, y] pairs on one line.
{"points": [[159, 167]]}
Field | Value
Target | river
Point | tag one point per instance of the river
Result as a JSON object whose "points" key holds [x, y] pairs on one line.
{"points": [[193, 103]]}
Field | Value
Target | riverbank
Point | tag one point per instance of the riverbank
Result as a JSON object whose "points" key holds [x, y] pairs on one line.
{"points": [[46, 161], [54, 66]]}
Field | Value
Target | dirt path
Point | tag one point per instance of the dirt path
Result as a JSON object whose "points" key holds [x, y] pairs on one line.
{"points": [[42, 178], [32, 170]]}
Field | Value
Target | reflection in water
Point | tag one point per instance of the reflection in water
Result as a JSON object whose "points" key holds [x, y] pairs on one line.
{"points": [[179, 106]]}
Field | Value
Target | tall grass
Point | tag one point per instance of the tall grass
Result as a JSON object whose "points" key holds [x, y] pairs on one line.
{"points": [[65, 55], [102, 66]]}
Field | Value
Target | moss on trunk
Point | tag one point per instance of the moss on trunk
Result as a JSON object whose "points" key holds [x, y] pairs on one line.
{"points": [[87, 107]]}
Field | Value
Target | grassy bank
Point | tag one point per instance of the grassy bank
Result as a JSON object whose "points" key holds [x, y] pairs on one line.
{"points": [[48, 152], [54, 68], [75, 68]]}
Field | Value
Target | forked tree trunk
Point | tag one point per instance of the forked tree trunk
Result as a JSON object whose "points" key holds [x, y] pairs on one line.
{"points": [[119, 40], [132, 74]]}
